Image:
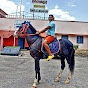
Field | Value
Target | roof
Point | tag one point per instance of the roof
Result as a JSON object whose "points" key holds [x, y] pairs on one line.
{"points": [[6, 34], [71, 34], [4, 13]]}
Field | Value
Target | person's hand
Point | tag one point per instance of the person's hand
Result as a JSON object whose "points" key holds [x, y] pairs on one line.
{"points": [[37, 33]]}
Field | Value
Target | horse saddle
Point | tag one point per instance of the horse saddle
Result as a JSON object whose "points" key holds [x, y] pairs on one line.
{"points": [[54, 47]]}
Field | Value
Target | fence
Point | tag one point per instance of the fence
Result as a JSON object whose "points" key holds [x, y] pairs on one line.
{"points": [[27, 17]]}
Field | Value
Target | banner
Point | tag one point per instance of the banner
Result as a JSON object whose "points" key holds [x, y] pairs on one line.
{"points": [[39, 11], [39, 1], [39, 6]]}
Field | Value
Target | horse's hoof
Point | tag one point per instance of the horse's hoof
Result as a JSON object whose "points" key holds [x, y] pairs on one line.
{"points": [[57, 80], [67, 81], [33, 87]]}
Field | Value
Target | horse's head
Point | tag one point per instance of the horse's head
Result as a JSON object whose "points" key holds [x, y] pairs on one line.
{"points": [[26, 28]]}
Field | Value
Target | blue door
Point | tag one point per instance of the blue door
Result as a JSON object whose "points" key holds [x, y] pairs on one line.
{"points": [[21, 42]]}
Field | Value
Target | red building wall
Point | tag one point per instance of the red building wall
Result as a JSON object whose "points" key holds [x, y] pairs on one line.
{"points": [[0, 40], [9, 41]]}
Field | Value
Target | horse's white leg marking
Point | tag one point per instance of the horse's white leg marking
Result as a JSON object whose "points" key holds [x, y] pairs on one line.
{"points": [[59, 76], [68, 78], [35, 83]]}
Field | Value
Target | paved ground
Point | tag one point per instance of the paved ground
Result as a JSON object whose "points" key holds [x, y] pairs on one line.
{"points": [[18, 72]]}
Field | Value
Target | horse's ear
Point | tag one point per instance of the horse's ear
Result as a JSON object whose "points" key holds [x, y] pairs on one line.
{"points": [[24, 22]]}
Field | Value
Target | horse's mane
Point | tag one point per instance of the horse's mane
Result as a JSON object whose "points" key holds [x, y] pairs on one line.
{"points": [[33, 38], [32, 28]]}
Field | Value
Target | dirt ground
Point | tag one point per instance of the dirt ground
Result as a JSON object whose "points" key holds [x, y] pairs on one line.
{"points": [[18, 72]]}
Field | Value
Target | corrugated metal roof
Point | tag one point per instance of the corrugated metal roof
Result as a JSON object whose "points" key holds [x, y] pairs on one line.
{"points": [[4, 13], [6, 34]]}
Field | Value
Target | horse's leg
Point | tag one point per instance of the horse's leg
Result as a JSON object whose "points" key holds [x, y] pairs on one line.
{"points": [[37, 73], [68, 78], [62, 68], [71, 62], [37, 70], [62, 61]]}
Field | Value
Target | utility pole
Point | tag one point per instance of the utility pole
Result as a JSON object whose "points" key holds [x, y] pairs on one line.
{"points": [[23, 14], [33, 12], [44, 13], [20, 6]]}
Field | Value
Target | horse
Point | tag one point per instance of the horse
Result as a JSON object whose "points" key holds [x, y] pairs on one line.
{"points": [[66, 51]]}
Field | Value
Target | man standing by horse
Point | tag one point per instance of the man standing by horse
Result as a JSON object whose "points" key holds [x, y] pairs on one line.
{"points": [[50, 35]]}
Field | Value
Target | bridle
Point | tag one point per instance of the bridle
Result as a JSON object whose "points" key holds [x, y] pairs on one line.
{"points": [[25, 30], [24, 35]]}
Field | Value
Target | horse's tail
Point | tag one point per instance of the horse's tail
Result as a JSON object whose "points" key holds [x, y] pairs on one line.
{"points": [[72, 61]]}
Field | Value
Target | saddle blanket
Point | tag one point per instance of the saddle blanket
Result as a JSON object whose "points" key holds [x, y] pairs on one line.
{"points": [[54, 47]]}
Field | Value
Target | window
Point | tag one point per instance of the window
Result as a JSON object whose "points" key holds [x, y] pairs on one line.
{"points": [[65, 37], [80, 39]]}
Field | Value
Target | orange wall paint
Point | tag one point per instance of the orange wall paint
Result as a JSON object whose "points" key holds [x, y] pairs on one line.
{"points": [[26, 44]]}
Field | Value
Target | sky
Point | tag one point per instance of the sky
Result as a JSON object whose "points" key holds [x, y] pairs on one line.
{"points": [[67, 10]]}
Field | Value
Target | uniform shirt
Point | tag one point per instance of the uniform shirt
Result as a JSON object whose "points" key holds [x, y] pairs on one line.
{"points": [[51, 31]]}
